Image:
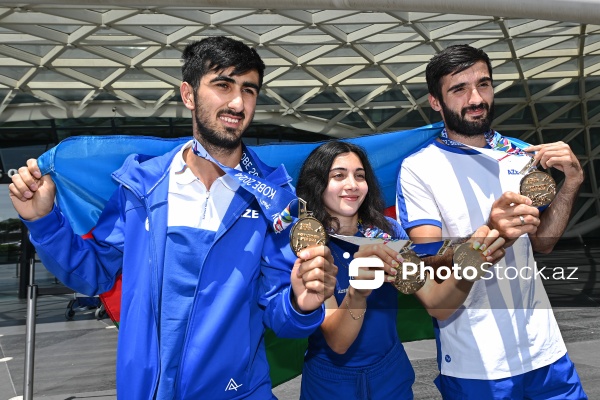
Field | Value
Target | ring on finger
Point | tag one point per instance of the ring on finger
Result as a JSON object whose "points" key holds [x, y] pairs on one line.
{"points": [[522, 220]]}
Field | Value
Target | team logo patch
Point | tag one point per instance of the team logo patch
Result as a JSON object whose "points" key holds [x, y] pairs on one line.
{"points": [[232, 385], [250, 213]]}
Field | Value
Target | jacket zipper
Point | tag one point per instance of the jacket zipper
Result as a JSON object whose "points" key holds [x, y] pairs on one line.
{"points": [[152, 261]]}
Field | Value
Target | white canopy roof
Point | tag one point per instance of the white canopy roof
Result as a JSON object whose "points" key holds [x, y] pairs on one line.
{"points": [[341, 68]]}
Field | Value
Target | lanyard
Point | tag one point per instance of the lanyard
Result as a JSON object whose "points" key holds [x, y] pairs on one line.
{"points": [[494, 139], [274, 201], [499, 146]]}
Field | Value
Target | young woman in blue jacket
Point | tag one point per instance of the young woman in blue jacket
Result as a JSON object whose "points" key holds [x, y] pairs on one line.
{"points": [[356, 353]]}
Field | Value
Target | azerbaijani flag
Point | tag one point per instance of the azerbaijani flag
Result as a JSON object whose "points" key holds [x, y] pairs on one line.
{"points": [[81, 167]]}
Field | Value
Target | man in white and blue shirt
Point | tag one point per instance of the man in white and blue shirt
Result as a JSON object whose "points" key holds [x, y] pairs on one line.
{"points": [[504, 342]]}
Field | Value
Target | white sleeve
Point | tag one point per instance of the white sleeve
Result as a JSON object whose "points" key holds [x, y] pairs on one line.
{"points": [[415, 204]]}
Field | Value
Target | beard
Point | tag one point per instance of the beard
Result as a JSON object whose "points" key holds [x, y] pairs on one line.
{"points": [[228, 140], [459, 125]]}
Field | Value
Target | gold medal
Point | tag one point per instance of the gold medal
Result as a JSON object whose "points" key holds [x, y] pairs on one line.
{"points": [[466, 256], [413, 282], [307, 231], [539, 186]]}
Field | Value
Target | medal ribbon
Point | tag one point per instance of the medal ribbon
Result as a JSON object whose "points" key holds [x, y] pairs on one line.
{"points": [[494, 139], [500, 147], [373, 232], [270, 198], [422, 249]]}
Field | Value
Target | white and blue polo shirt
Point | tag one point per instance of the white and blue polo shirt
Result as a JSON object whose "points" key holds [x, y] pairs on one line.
{"points": [[506, 326]]}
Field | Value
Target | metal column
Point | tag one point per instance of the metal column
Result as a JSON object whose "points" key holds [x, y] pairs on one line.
{"points": [[32, 292]]}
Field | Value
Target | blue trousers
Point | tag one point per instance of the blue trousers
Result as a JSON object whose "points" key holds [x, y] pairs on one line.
{"points": [[390, 378]]}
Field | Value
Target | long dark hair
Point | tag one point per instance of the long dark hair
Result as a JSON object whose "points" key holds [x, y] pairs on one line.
{"points": [[314, 178]]}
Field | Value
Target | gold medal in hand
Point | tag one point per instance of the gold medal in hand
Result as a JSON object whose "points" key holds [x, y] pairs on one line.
{"points": [[466, 256], [413, 282], [539, 186], [307, 231]]}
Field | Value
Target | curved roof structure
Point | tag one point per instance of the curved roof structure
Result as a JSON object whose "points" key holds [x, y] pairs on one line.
{"points": [[340, 68]]}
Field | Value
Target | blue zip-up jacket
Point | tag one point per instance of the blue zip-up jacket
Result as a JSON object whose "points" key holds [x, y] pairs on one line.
{"points": [[243, 286]]}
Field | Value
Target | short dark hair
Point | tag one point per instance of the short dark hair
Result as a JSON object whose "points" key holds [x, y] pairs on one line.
{"points": [[314, 178], [450, 61], [216, 53]]}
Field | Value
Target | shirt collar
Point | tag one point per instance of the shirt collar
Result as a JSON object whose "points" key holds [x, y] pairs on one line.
{"points": [[184, 175]]}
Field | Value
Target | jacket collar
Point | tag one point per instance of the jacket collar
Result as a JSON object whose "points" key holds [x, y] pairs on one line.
{"points": [[141, 173]]}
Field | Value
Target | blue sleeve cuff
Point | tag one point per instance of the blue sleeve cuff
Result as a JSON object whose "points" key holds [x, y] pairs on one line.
{"points": [[46, 227], [420, 222], [310, 320]]}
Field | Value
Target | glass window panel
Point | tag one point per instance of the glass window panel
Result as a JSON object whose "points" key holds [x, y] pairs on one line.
{"points": [[173, 71], [331, 71], [578, 143], [399, 69], [22, 98], [416, 90], [38, 50], [349, 28], [572, 115], [289, 94], [325, 114], [595, 139], [355, 120], [327, 96], [76, 54], [15, 73], [597, 169], [358, 92], [96, 73], [51, 76], [593, 108], [539, 85], [376, 48], [165, 29], [146, 94], [129, 51], [168, 53], [411, 120], [263, 99], [300, 50], [505, 68], [106, 96], [68, 29], [68, 95], [379, 116], [565, 45], [515, 90], [522, 116], [369, 72], [544, 110], [554, 135], [393, 94]]}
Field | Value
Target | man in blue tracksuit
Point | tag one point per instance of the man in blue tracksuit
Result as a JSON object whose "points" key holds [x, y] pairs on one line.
{"points": [[194, 234]]}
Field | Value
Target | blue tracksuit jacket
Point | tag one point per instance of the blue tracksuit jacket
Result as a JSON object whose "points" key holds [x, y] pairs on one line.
{"points": [[244, 285]]}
